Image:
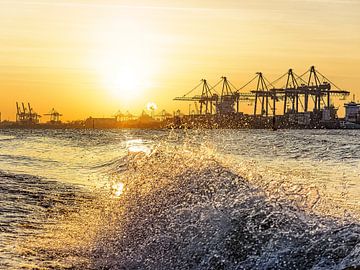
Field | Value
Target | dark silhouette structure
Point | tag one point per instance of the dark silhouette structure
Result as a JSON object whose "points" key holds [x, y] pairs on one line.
{"points": [[54, 117], [26, 115], [306, 99]]}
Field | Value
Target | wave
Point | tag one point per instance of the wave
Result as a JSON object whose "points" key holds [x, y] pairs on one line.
{"points": [[28, 204], [185, 210], [6, 138], [26, 159], [179, 207]]}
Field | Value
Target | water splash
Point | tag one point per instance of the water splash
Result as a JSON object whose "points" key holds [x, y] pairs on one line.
{"points": [[118, 189], [181, 205], [182, 209]]}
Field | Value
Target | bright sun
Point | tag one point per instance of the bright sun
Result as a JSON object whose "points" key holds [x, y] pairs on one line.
{"points": [[125, 58], [125, 80], [124, 83]]}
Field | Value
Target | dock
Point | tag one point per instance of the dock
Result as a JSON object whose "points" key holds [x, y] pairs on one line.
{"points": [[291, 101], [305, 102]]}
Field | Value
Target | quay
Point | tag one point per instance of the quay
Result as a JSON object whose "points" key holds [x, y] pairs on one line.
{"points": [[302, 102], [305, 102]]}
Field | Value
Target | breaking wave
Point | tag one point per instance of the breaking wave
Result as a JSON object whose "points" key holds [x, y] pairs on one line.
{"points": [[175, 207]]}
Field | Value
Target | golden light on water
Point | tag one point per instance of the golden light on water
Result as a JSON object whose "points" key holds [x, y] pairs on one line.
{"points": [[118, 189], [137, 146]]}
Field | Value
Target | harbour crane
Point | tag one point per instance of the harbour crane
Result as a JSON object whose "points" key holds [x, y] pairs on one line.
{"points": [[207, 99], [211, 102], [26, 115], [54, 116]]}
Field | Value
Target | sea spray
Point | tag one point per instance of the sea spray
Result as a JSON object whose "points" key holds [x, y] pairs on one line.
{"points": [[185, 210], [178, 204]]}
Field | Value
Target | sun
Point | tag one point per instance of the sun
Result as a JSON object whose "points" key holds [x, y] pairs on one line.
{"points": [[125, 58], [125, 79], [124, 83]]}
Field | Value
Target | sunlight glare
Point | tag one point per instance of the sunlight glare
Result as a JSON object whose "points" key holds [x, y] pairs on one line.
{"points": [[118, 189], [125, 67], [151, 106], [137, 146], [125, 80]]}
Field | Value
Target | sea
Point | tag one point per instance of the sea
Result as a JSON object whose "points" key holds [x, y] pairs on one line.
{"points": [[179, 199]]}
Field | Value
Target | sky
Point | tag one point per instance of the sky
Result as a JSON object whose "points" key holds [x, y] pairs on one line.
{"points": [[93, 58]]}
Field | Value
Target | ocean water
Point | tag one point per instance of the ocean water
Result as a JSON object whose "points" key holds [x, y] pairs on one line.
{"points": [[179, 199]]}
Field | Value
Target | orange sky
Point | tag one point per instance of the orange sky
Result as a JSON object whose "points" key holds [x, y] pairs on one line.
{"points": [[95, 57]]}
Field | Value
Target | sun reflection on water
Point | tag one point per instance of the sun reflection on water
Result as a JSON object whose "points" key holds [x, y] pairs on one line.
{"points": [[139, 149], [117, 189], [138, 146]]}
